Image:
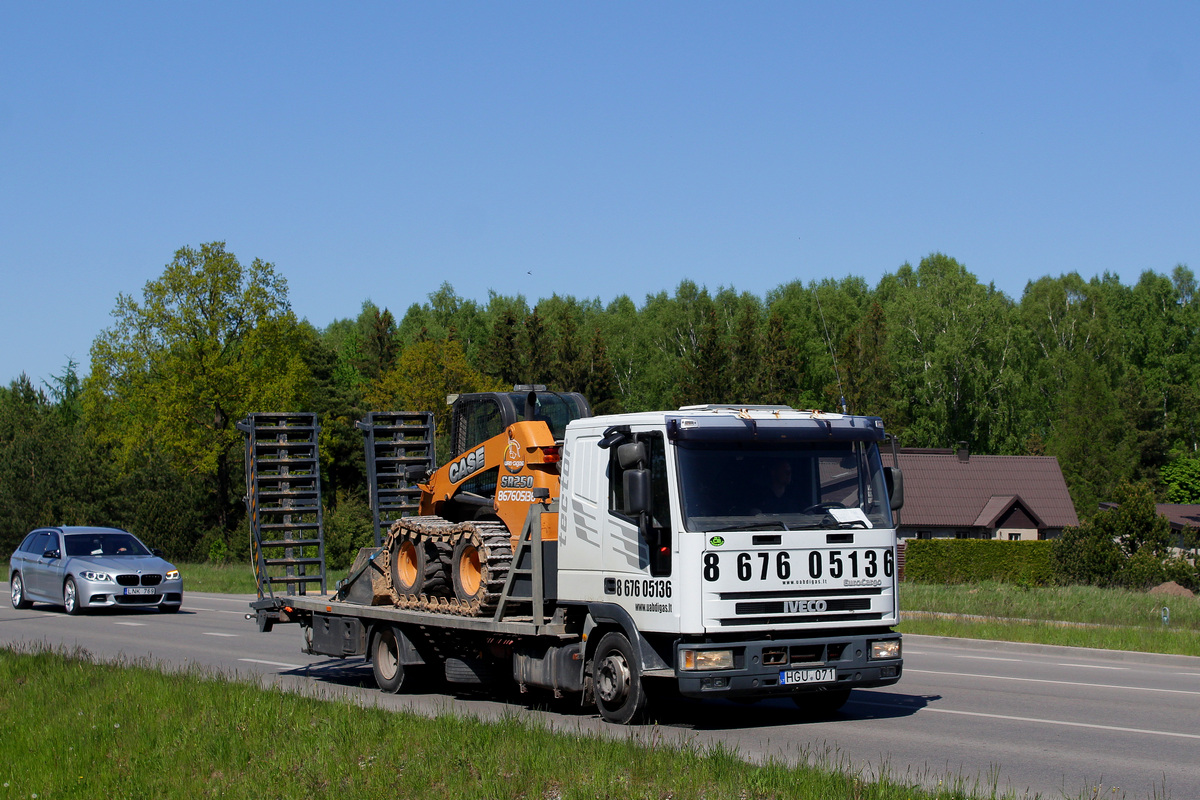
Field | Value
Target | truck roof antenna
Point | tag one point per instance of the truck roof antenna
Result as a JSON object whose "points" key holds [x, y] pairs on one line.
{"points": [[829, 342]]}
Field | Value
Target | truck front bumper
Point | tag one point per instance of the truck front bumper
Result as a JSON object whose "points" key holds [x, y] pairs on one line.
{"points": [[787, 666]]}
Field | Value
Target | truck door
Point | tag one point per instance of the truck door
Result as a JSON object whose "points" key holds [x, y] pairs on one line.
{"points": [[639, 540]]}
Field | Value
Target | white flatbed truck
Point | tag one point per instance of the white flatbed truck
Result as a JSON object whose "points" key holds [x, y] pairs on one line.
{"points": [[716, 551]]}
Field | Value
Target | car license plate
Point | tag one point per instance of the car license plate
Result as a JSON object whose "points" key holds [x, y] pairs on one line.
{"points": [[140, 590], [791, 677]]}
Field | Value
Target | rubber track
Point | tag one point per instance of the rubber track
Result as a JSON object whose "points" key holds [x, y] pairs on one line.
{"points": [[493, 540]]}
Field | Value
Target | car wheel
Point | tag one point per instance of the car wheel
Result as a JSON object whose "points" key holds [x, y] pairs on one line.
{"points": [[71, 597], [19, 600]]}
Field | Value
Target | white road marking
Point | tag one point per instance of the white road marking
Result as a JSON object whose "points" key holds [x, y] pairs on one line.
{"points": [[218, 610], [1094, 666], [132, 624], [272, 663], [1038, 721], [1058, 683], [226, 635], [991, 658]]}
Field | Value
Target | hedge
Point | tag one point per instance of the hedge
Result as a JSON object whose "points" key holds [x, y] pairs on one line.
{"points": [[970, 560]]}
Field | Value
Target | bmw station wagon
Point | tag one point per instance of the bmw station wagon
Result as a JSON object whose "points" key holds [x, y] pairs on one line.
{"points": [[80, 568]]}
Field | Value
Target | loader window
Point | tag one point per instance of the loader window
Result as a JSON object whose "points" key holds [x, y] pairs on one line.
{"points": [[481, 421], [551, 408]]}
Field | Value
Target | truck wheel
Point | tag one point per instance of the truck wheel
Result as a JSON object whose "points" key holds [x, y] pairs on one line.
{"points": [[385, 661], [617, 680], [821, 704], [408, 566]]}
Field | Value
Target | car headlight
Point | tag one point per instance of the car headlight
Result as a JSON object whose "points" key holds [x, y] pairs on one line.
{"points": [[95, 576], [172, 574], [707, 659], [888, 648]]}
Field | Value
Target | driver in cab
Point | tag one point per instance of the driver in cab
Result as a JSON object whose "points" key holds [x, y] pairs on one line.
{"points": [[775, 497]]}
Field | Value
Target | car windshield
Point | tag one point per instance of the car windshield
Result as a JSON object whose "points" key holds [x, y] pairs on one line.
{"points": [[104, 544], [729, 486]]}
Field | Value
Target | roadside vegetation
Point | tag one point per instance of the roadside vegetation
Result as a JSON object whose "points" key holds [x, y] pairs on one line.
{"points": [[132, 731], [1077, 616], [225, 578]]}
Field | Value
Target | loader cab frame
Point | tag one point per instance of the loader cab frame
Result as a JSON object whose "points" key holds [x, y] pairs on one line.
{"points": [[478, 416]]}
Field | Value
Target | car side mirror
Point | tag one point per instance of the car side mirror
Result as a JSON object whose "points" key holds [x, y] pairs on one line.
{"points": [[52, 554], [155, 551]]}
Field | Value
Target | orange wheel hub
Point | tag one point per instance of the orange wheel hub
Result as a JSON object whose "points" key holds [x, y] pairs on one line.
{"points": [[406, 564], [469, 571]]}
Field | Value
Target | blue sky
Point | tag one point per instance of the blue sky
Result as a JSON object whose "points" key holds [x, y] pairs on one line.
{"points": [[375, 150]]}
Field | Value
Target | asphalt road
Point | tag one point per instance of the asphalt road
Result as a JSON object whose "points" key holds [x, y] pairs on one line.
{"points": [[1050, 720]]}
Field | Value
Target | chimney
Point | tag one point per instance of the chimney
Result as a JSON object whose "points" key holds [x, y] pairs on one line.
{"points": [[964, 455]]}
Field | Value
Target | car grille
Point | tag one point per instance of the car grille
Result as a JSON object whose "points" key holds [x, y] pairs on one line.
{"points": [[144, 580]]}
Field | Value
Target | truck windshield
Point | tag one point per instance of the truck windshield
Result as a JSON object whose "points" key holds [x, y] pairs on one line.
{"points": [[727, 486]]}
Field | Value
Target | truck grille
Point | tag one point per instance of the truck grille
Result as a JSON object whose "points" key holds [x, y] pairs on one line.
{"points": [[802, 654], [781, 606]]}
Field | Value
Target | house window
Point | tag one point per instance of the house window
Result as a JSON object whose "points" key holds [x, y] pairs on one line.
{"points": [[962, 535], [924, 534], [1014, 537]]}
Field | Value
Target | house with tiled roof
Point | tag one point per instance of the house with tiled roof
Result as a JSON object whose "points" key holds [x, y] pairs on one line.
{"points": [[954, 494]]}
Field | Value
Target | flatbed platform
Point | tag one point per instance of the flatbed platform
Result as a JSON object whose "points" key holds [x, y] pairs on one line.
{"points": [[325, 604]]}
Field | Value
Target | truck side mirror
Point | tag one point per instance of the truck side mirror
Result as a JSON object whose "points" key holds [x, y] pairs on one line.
{"points": [[631, 454], [895, 486], [636, 485]]}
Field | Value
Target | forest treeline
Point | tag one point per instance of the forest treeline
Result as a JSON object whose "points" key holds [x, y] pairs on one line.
{"points": [[1101, 374]]}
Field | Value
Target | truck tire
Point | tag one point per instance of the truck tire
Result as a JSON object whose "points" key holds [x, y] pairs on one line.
{"points": [[617, 680], [385, 661], [821, 704]]}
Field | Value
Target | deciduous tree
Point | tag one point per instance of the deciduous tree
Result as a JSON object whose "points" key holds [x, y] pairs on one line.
{"points": [[210, 341]]}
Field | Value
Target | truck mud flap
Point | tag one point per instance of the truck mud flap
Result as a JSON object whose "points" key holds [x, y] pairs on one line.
{"points": [[338, 636], [609, 613]]}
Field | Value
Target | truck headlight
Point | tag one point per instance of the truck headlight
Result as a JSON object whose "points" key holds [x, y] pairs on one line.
{"points": [[888, 648], [707, 659]]}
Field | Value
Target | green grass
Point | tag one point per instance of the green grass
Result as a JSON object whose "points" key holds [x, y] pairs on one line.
{"points": [[1078, 616], [131, 731], [219, 578]]}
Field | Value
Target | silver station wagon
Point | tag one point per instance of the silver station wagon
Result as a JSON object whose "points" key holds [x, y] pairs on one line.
{"points": [[81, 568]]}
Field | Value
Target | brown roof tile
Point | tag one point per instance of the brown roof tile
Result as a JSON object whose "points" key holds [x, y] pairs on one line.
{"points": [[944, 491], [1180, 515]]}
